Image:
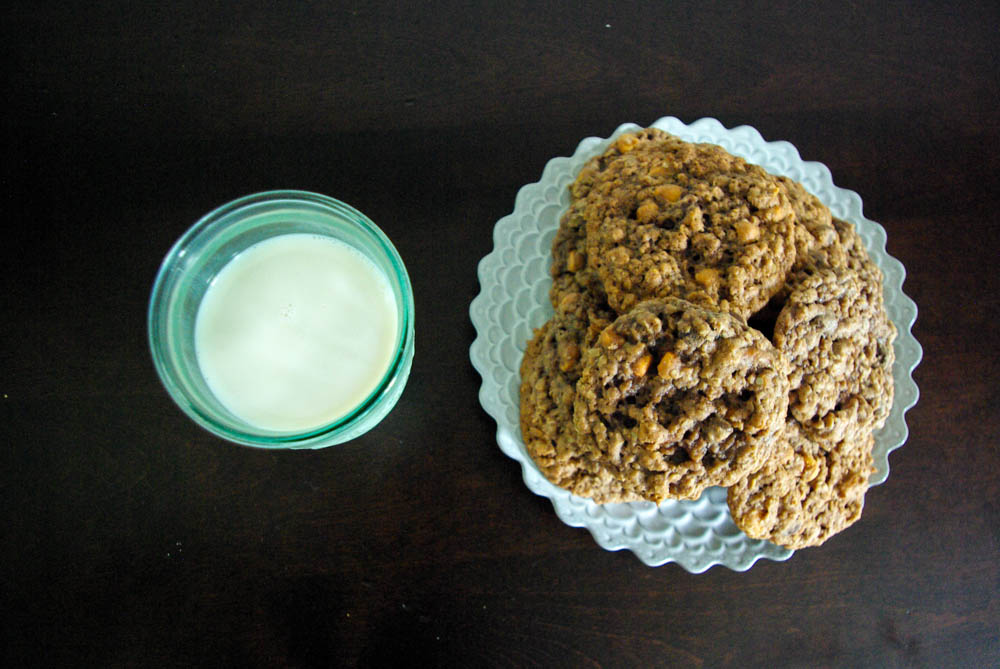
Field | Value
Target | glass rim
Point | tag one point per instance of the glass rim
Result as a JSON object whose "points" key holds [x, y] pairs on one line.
{"points": [[159, 309]]}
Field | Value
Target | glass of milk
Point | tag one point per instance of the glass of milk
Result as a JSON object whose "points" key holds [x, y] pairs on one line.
{"points": [[283, 320]]}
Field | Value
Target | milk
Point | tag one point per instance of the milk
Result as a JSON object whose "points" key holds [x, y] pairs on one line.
{"points": [[296, 331]]}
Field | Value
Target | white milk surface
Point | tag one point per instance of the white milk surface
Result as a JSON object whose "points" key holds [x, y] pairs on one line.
{"points": [[296, 331]]}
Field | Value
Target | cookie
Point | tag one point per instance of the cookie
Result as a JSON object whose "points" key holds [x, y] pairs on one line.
{"points": [[834, 331], [666, 217], [549, 372], [649, 384], [856, 257], [570, 271], [689, 397], [806, 494], [815, 232]]}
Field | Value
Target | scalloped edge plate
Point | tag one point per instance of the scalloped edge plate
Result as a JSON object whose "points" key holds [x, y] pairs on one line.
{"points": [[513, 300]]}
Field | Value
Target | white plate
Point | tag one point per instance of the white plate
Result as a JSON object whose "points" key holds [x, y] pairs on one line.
{"points": [[515, 281]]}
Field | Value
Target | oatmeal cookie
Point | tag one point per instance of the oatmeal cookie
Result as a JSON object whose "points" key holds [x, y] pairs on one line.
{"points": [[549, 371], [806, 494], [837, 337], [666, 217], [570, 271], [815, 232], [855, 256], [687, 396]]}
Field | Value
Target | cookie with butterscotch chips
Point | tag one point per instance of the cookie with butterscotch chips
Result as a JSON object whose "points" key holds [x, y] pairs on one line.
{"points": [[684, 397], [571, 273], [715, 325], [837, 337], [669, 218], [550, 369], [808, 492]]}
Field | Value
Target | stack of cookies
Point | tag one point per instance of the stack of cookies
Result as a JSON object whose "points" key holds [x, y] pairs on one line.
{"points": [[713, 326]]}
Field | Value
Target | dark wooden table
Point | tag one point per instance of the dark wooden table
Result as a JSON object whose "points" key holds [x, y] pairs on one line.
{"points": [[131, 537]]}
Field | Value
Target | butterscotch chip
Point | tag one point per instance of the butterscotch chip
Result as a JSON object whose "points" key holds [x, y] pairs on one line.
{"points": [[810, 491], [711, 413], [709, 226], [668, 192]]}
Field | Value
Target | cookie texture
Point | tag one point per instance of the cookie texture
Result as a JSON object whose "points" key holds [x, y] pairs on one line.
{"points": [[549, 371], [688, 396], [714, 325], [571, 273], [816, 235], [671, 218], [837, 337], [806, 494]]}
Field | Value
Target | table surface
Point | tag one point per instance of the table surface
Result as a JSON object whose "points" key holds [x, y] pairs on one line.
{"points": [[132, 537]]}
